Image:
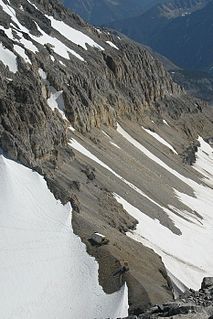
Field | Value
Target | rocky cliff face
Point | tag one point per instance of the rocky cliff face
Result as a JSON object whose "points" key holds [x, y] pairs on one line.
{"points": [[64, 86], [110, 83]]}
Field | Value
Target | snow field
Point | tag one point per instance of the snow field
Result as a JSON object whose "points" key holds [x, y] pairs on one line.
{"points": [[45, 271]]}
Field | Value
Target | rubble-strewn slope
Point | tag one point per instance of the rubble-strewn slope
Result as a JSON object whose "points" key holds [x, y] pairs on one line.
{"points": [[64, 87], [191, 305]]}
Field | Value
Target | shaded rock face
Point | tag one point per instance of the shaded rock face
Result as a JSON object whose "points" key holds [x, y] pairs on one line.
{"points": [[28, 128], [192, 304]]}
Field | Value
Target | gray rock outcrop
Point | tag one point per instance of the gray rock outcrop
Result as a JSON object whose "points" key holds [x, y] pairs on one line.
{"points": [[191, 304]]}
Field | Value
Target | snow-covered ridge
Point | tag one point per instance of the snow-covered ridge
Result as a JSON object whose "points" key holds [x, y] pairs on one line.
{"points": [[45, 271]]}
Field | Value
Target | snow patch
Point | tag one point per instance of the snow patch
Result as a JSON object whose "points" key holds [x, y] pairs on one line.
{"points": [[71, 128], [114, 144], [204, 160], [62, 63], [52, 58], [165, 122], [8, 58], [106, 134], [56, 101], [80, 148], [98, 30], [22, 53], [160, 139], [42, 73], [73, 35], [58, 47], [112, 45]]}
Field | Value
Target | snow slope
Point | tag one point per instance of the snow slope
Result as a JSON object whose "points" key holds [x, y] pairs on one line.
{"points": [[45, 271]]}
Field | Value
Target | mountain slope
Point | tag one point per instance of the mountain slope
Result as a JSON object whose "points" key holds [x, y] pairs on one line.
{"points": [[180, 30], [100, 118], [101, 12]]}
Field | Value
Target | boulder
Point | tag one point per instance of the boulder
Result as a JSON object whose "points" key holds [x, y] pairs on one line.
{"points": [[207, 283]]}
